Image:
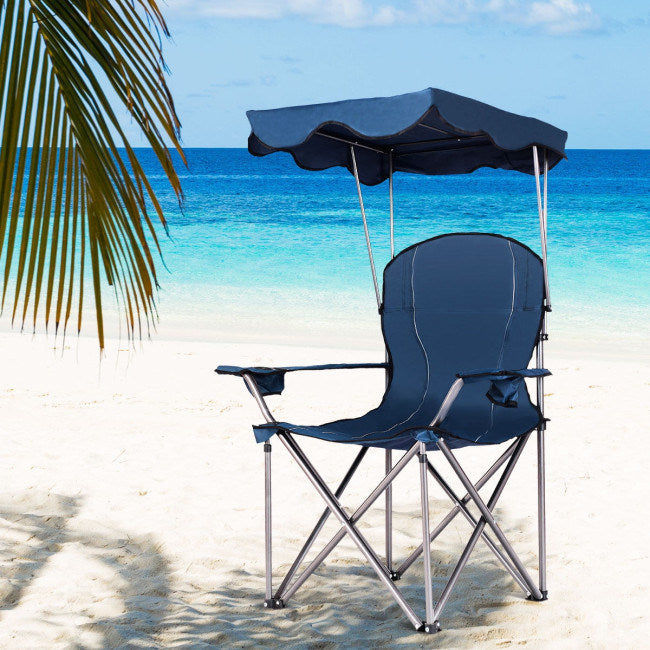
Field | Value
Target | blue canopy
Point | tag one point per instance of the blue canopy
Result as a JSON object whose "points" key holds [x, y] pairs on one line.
{"points": [[427, 132]]}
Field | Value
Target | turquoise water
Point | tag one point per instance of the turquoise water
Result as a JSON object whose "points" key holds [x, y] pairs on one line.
{"points": [[264, 247], [264, 250]]}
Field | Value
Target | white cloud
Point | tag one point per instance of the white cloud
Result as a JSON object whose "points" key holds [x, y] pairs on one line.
{"points": [[563, 16], [345, 13], [550, 16]]}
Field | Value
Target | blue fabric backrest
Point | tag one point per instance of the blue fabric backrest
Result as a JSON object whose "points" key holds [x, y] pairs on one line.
{"points": [[453, 304]]}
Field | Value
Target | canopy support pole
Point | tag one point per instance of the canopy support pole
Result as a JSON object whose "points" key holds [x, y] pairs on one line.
{"points": [[390, 200], [389, 453], [541, 209], [365, 226], [542, 206]]}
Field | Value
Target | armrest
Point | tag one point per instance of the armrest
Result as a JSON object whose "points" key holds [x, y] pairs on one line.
{"points": [[504, 391], [498, 373], [270, 381], [504, 384]]}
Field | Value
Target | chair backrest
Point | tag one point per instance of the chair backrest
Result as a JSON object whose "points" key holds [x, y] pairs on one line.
{"points": [[456, 303]]}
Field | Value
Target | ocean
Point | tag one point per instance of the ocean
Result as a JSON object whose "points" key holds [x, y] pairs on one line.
{"points": [[262, 250], [265, 250]]}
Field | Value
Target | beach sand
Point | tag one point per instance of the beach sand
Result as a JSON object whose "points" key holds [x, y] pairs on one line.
{"points": [[131, 506]]}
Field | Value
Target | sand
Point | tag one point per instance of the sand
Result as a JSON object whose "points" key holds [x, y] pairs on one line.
{"points": [[131, 507]]}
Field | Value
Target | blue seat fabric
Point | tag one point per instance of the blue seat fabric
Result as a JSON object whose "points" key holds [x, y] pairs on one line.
{"points": [[450, 304]]}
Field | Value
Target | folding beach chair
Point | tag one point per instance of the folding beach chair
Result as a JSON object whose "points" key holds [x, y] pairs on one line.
{"points": [[461, 317], [451, 304]]}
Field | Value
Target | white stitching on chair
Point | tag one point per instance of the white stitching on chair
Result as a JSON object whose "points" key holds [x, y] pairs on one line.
{"points": [[505, 333], [512, 306], [426, 356]]}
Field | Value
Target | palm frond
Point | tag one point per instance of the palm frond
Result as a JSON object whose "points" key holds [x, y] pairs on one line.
{"points": [[76, 207]]}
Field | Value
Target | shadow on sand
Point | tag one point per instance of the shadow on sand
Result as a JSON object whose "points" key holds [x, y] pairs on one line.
{"points": [[34, 530], [342, 604]]}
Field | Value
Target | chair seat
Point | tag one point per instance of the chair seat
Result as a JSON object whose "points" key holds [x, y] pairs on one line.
{"points": [[387, 427]]}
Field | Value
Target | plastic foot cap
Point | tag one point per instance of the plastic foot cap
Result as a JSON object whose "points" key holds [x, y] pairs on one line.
{"points": [[539, 600], [430, 628], [274, 603]]}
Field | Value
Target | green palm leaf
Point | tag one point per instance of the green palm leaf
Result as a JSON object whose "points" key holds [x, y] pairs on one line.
{"points": [[76, 208]]}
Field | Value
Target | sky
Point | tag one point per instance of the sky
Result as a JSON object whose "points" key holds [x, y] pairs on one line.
{"points": [[582, 66]]}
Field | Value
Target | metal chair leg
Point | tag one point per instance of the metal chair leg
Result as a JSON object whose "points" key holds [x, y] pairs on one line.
{"points": [[489, 518], [541, 511], [389, 514], [430, 624], [433, 609], [444, 596], [269, 601], [358, 513], [349, 527], [456, 509], [319, 525], [510, 568]]}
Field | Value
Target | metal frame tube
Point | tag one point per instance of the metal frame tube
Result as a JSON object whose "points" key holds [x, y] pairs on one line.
{"points": [[365, 226], [388, 464], [390, 201], [350, 142], [424, 500], [267, 520], [359, 512], [389, 513], [321, 522], [255, 392], [541, 209], [541, 466], [541, 511], [348, 525], [489, 517], [448, 402], [496, 494], [389, 454], [542, 206], [541, 451], [454, 511], [484, 536], [545, 193]]}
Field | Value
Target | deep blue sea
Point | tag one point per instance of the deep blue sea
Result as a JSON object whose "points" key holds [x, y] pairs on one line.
{"points": [[262, 248]]}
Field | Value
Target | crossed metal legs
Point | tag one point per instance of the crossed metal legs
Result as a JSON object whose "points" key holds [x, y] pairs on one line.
{"points": [[384, 571]]}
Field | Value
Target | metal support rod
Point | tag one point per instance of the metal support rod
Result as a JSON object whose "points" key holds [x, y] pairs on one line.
{"points": [[545, 191], [267, 520], [489, 517], [541, 509], [539, 362], [255, 392], [454, 511], [390, 201], [348, 525], [448, 402], [424, 500], [541, 464], [444, 596], [545, 206], [389, 513], [365, 226], [321, 522], [350, 142], [372, 497], [455, 138], [486, 538], [541, 451], [542, 221]]}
